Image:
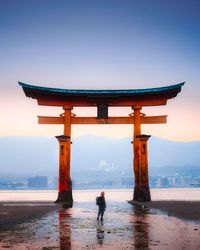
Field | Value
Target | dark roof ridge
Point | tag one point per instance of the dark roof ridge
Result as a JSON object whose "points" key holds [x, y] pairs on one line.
{"points": [[102, 91]]}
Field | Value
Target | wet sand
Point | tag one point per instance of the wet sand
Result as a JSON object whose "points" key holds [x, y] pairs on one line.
{"points": [[50, 226], [187, 210], [13, 213]]}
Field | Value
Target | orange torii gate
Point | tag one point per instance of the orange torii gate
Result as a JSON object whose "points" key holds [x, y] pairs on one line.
{"points": [[103, 99]]}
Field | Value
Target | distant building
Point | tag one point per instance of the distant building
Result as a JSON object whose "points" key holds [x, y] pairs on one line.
{"points": [[74, 184], [55, 183], [163, 182], [153, 181], [38, 182], [127, 182]]}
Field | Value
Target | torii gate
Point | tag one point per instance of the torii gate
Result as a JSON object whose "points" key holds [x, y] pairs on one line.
{"points": [[103, 99]]}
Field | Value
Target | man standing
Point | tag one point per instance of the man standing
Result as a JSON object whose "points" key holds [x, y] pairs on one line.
{"points": [[100, 201]]}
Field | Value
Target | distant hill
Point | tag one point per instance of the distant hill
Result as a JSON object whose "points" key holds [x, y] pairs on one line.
{"points": [[28, 154], [40, 154]]}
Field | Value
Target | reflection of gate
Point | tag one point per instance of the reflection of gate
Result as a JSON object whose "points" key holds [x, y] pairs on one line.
{"points": [[103, 99]]}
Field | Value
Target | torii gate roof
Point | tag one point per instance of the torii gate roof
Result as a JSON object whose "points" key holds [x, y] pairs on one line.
{"points": [[91, 97]]}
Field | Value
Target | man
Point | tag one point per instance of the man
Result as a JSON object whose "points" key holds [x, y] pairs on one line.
{"points": [[100, 201]]}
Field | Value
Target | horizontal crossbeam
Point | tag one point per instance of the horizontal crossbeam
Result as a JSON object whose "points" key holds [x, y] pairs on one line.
{"points": [[111, 120]]}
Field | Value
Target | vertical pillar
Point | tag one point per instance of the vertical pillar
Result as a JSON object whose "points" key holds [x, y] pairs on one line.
{"points": [[144, 192], [137, 131], [67, 132], [65, 184]]}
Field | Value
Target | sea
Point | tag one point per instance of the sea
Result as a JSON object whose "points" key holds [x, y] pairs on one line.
{"points": [[124, 226], [112, 195]]}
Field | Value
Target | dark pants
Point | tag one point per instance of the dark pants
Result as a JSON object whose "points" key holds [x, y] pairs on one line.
{"points": [[101, 212]]}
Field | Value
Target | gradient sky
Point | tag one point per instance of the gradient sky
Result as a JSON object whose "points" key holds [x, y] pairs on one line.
{"points": [[100, 44]]}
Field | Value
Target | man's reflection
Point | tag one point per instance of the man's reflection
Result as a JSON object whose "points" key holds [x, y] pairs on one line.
{"points": [[100, 232], [141, 227], [64, 228]]}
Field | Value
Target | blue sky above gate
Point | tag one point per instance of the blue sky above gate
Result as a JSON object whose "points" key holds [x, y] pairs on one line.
{"points": [[100, 44]]}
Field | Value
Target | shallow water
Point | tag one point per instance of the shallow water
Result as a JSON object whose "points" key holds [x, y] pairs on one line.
{"points": [[188, 194], [124, 227]]}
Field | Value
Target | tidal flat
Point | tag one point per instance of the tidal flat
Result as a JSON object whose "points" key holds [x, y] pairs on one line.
{"points": [[45, 225]]}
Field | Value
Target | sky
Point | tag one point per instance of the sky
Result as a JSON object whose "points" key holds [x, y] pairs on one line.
{"points": [[104, 44]]}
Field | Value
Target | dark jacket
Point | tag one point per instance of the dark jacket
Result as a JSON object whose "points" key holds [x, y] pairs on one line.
{"points": [[101, 203]]}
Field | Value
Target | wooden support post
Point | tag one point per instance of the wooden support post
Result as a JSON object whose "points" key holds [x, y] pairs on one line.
{"points": [[67, 132], [64, 181], [137, 131], [144, 192], [65, 184]]}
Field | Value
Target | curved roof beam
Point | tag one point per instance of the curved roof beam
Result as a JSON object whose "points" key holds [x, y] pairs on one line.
{"points": [[91, 97]]}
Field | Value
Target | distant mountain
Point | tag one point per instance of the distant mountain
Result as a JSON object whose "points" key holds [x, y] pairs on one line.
{"points": [[28, 154], [40, 154]]}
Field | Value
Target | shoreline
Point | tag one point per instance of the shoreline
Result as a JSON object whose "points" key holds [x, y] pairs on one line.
{"points": [[46, 225], [186, 210], [13, 213]]}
